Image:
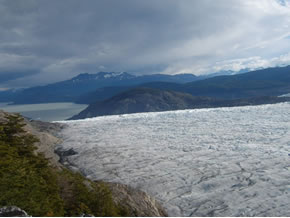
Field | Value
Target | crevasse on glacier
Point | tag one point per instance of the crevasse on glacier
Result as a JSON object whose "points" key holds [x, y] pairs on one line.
{"points": [[221, 162]]}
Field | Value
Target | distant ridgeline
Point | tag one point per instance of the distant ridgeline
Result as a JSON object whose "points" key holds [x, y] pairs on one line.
{"points": [[71, 90], [266, 82], [105, 90], [252, 88]]}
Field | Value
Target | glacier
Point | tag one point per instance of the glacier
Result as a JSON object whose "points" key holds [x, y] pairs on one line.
{"points": [[203, 162]]}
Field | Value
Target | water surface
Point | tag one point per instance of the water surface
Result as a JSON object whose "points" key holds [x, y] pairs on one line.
{"points": [[45, 112]]}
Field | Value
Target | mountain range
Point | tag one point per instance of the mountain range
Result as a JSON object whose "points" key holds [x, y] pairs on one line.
{"points": [[70, 90], [118, 93], [265, 82], [86, 87]]}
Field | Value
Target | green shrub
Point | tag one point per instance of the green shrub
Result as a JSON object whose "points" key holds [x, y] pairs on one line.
{"points": [[27, 180], [84, 196]]}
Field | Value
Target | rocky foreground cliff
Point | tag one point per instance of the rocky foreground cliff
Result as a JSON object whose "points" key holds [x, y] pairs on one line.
{"points": [[33, 179]]}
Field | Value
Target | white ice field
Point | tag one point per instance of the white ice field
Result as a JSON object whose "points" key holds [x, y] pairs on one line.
{"points": [[220, 162]]}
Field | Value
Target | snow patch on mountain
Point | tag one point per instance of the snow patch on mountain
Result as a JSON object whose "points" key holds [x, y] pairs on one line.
{"points": [[119, 75], [115, 74], [103, 75], [205, 162], [285, 95]]}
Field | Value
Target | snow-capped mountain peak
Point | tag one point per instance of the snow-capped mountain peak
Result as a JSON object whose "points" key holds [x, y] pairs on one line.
{"points": [[103, 76], [113, 75]]}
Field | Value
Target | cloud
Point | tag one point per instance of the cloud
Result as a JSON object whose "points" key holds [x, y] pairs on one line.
{"points": [[47, 41]]}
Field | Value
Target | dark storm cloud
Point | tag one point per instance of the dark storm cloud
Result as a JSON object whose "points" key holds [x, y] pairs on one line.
{"points": [[8, 76], [44, 41]]}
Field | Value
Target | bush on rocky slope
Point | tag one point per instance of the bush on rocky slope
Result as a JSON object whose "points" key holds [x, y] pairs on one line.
{"points": [[27, 180]]}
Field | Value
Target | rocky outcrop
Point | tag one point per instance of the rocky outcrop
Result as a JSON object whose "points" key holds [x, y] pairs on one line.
{"points": [[12, 211], [2, 116], [138, 202], [47, 133]]}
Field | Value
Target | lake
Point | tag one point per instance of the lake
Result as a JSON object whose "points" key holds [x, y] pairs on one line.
{"points": [[45, 112]]}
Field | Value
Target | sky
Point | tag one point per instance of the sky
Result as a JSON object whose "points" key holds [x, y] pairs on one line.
{"points": [[45, 41]]}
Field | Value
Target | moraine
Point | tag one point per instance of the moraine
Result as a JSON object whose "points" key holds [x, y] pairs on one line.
{"points": [[205, 162]]}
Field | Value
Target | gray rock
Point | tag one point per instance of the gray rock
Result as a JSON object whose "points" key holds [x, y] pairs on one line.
{"points": [[63, 154], [86, 215], [12, 211], [138, 203]]}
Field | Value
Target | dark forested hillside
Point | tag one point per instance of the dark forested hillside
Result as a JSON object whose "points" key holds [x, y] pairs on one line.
{"points": [[141, 100], [138, 100]]}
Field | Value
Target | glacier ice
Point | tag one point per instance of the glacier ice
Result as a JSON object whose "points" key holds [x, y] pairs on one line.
{"points": [[204, 162]]}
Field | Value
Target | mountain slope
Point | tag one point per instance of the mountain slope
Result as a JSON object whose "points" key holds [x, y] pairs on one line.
{"points": [[70, 90], [138, 100], [108, 92], [266, 82], [33, 178], [141, 100]]}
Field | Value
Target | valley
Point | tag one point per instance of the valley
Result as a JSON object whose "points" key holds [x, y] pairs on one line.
{"points": [[145, 108]]}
